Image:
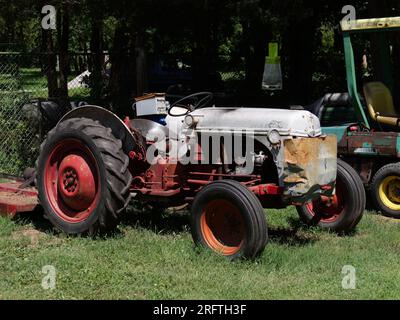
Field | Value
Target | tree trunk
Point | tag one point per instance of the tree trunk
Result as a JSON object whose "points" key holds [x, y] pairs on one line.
{"points": [[63, 38], [122, 79], [256, 36], [201, 55], [141, 66], [298, 48], [96, 48], [49, 63]]}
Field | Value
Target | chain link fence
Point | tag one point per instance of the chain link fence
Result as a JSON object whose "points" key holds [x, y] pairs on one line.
{"points": [[23, 84], [19, 134], [24, 92]]}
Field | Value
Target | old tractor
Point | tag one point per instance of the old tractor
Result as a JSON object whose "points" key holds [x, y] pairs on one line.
{"points": [[228, 164], [367, 125]]}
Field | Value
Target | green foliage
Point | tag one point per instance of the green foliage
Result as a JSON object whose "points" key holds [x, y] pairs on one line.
{"points": [[328, 57], [109, 25], [233, 34], [224, 42], [18, 135], [327, 37]]}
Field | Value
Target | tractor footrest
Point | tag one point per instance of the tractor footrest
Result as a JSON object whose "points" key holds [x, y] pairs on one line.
{"points": [[14, 199]]}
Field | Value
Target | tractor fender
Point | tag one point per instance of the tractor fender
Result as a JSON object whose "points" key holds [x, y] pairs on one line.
{"points": [[107, 119]]}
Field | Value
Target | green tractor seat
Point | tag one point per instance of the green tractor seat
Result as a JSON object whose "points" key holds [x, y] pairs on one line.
{"points": [[380, 104]]}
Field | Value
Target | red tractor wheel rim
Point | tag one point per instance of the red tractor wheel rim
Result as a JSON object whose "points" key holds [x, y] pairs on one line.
{"points": [[72, 181], [222, 227], [329, 210]]}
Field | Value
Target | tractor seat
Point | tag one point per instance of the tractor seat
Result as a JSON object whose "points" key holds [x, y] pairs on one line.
{"points": [[380, 104]]}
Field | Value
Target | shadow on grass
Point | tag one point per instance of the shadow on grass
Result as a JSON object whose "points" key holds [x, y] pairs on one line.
{"points": [[314, 231], [292, 236], [161, 221], [157, 219], [36, 219], [40, 223], [166, 221]]}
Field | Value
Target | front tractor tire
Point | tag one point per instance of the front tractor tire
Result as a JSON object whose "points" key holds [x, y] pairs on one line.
{"points": [[385, 190], [83, 177], [342, 213], [228, 218]]}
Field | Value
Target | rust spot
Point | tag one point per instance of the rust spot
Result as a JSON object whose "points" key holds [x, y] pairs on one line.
{"points": [[302, 151], [309, 163], [378, 143]]}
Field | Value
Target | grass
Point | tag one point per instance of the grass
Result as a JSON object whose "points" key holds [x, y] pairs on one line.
{"points": [[35, 82], [153, 257]]}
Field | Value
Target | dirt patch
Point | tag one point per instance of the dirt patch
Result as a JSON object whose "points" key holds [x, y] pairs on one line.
{"points": [[32, 234]]}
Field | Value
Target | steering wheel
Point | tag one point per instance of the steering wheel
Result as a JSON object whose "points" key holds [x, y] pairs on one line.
{"points": [[202, 99]]}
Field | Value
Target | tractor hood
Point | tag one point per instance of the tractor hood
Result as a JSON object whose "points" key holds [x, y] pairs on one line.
{"points": [[298, 123]]}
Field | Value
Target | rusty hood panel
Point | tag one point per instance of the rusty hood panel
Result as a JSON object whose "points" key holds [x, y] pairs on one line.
{"points": [[309, 163]]}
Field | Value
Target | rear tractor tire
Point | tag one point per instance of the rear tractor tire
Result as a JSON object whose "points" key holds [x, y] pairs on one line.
{"points": [[228, 218], [83, 177], [385, 190], [345, 210]]}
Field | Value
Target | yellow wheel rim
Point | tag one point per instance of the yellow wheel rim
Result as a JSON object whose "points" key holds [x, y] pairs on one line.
{"points": [[389, 192]]}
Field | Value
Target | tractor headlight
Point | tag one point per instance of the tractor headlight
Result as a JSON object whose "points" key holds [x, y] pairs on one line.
{"points": [[274, 137], [190, 121]]}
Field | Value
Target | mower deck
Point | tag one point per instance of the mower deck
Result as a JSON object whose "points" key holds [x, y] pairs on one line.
{"points": [[14, 199]]}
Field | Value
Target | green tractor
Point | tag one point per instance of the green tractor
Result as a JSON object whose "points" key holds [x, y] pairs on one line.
{"points": [[367, 124]]}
